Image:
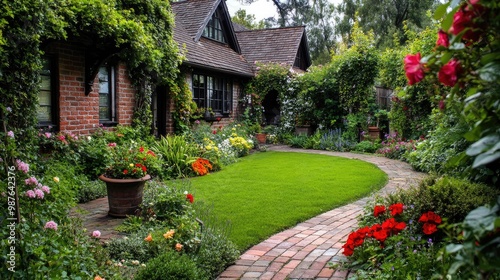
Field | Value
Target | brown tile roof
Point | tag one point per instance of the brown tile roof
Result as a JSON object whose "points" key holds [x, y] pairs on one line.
{"points": [[277, 45], [190, 19]]}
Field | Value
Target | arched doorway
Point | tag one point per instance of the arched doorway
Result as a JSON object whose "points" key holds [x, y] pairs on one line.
{"points": [[271, 108]]}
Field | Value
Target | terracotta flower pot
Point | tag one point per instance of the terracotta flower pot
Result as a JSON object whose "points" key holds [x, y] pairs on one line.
{"points": [[261, 138], [124, 195]]}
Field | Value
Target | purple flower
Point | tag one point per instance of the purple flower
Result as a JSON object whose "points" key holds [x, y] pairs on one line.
{"points": [[21, 166], [39, 194], [9, 109], [10, 134], [31, 181], [30, 194], [45, 189], [96, 234], [51, 225]]}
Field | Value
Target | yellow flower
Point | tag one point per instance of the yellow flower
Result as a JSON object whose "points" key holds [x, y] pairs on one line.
{"points": [[233, 129], [149, 238], [56, 179], [131, 165], [169, 234], [209, 147], [178, 247]]}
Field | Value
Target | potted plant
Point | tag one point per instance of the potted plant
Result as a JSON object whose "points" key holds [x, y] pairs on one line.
{"points": [[125, 177]]}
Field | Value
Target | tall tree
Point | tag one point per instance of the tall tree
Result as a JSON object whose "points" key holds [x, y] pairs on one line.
{"points": [[248, 20], [386, 18]]}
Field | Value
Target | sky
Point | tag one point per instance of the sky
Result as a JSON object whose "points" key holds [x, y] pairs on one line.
{"points": [[261, 8]]}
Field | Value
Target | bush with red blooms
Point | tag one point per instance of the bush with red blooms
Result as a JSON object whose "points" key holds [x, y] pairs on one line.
{"points": [[466, 60], [389, 237]]}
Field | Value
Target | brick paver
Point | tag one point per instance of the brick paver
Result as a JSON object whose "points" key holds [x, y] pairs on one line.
{"points": [[302, 252]]}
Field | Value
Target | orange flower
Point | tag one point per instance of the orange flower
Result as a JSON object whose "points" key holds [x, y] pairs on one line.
{"points": [[98, 278], [178, 247], [149, 238], [169, 234]]}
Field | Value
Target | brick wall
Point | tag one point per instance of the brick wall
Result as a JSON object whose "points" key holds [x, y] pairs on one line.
{"points": [[79, 113]]}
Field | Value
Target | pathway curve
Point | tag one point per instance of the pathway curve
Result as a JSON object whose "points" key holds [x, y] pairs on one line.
{"points": [[304, 251]]}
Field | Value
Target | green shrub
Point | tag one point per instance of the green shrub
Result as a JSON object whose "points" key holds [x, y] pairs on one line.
{"points": [[177, 155], [449, 197], [367, 147], [94, 156], [91, 190], [132, 247], [170, 265]]}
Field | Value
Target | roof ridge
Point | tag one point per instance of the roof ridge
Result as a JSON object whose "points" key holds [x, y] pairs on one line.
{"points": [[274, 28]]}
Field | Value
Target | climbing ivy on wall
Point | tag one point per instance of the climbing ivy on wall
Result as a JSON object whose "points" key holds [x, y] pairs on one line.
{"points": [[141, 29]]}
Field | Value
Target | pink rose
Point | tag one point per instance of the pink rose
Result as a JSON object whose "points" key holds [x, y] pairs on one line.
{"points": [[50, 225], [96, 234], [448, 75], [413, 68]]}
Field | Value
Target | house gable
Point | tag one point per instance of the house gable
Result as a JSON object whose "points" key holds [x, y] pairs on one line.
{"points": [[196, 15], [286, 45]]}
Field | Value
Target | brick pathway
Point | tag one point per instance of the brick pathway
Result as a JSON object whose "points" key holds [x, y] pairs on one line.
{"points": [[301, 252], [304, 251]]}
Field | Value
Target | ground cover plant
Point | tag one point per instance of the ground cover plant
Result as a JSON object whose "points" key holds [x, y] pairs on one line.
{"points": [[258, 193]]}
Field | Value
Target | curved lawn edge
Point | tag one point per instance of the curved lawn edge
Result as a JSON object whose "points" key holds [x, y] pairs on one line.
{"points": [[268, 192], [308, 249]]}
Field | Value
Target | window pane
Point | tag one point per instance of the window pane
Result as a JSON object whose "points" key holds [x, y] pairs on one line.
{"points": [[45, 98], [105, 94], [44, 114]]}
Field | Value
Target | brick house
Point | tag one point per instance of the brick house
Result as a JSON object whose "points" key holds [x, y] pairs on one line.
{"points": [[84, 86]]}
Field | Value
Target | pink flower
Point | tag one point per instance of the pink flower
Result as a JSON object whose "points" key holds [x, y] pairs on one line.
{"points": [[21, 166], [10, 134], [31, 181], [112, 145], [45, 189], [61, 137], [443, 39], [48, 134], [442, 105], [448, 75], [413, 68], [50, 225], [96, 234], [39, 194], [30, 194]]}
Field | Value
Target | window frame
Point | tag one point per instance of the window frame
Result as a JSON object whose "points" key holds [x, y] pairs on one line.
{"points": [[111, 120], [217, 93], [53, 123], [214, 29]]}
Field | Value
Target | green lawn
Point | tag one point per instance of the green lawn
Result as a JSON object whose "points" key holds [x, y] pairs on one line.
{"points": [[267, 192]]}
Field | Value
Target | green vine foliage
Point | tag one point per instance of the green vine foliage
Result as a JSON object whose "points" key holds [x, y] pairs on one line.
{"points": [[272, 77], [356, 68], [183, 100], [142, 31]]}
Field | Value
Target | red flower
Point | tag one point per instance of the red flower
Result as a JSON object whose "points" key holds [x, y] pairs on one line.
{"points": [[448, 75], [465, 18], [141, 149], [125, 171], [151, 153], [190, 197], [443, 39], [442, 105], [378, 210], [413, 68], [430, 217], [392, 226], [396, 209], [429, 228], [380, 235]]}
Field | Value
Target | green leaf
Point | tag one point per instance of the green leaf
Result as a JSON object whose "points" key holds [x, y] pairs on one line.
{"points": [[453, 248], [485, 158], [490, 72], [448, 20], [446, 57], [482, 144], [441, 11]]}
